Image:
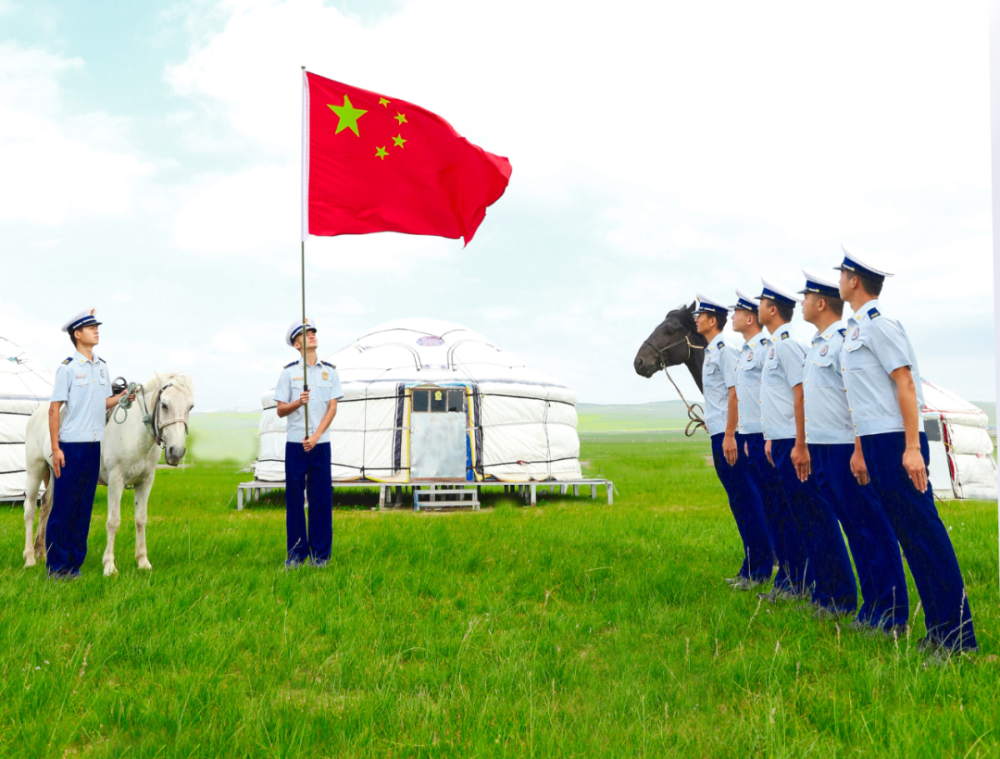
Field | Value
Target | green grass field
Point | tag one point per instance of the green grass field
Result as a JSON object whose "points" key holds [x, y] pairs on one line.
{"points": [[571, 629]]}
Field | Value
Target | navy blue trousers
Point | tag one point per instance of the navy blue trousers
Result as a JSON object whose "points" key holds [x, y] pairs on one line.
{"points": [[72, 504], [924, 539], [308, 472], [870, 536], [789, 550], [744, 501], [829, 572]]}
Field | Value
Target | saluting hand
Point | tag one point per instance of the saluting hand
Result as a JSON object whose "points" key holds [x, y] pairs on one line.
{"points": [[913, 463], [58, 461]]}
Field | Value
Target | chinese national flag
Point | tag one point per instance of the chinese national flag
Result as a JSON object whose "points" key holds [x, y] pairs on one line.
{"points": [[380, 164]]}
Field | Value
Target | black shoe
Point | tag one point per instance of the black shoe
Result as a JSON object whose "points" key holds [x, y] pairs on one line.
{"points": [[776, 595]]}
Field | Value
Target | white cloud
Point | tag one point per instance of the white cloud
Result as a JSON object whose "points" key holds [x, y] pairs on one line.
{"points": [[57, 164]]}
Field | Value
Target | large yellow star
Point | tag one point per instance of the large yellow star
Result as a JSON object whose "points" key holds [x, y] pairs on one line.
{"points": [[400, 118], [398, 139], [380, 153], [349, 116]]}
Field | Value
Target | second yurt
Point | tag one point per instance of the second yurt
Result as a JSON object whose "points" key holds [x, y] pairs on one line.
{"points": [[24, 384]]}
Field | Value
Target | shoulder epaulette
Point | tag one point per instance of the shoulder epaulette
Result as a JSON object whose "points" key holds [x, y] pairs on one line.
{"points": [[327, 363], [784, 336], [101, 360], [873, 313], [289, 366], [720, 344], [843, 331], [68, 361]]}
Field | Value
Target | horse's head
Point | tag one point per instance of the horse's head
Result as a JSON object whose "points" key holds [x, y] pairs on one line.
{"points": [[175, 399], [669, 344]]}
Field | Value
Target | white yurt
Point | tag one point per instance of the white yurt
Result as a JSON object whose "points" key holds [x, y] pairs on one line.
{"points": [[427, 400], [24, 384], [962, 464]]}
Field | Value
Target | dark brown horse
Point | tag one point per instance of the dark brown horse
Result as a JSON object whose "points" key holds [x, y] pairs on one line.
{"points": [[676, 341]]}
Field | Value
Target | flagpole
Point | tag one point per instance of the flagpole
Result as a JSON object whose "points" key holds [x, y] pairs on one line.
{"points": [[305, 330]]}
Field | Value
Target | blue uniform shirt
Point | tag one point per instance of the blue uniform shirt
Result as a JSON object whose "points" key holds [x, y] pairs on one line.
{"points": [[748, 372], [718, 374], [828, 417], [874, 347], [782, 372], [84, 386], [324, 386]]}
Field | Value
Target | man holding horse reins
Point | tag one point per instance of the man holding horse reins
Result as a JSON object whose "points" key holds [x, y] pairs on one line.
{"points": [[731, 464], [83, 386], [312, 386]]}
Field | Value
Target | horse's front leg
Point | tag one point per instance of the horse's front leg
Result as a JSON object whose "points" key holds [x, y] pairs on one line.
{"points": [[116, 486], [30, 509], [142, 491]]}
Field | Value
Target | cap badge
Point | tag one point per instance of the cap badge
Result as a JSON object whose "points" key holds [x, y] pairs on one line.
{"points": [[91, 312]]}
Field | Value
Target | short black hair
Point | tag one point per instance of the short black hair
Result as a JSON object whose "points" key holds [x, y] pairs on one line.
{"points": [[785, 311], [720, 320], [871, 286], [834, 304], [72, 337]]}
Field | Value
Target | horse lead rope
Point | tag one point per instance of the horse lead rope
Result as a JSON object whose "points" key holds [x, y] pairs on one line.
{"points": [[694, 410], [152, 421]]}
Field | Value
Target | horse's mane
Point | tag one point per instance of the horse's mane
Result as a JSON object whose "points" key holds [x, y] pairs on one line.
{"points": [[684, 316], [181, 381]]}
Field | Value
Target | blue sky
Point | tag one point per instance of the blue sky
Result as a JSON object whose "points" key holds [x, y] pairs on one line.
{"points": [[151, 170]]}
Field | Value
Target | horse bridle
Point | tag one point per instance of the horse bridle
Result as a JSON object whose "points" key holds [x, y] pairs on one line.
{"points": [[695, 410], [152, 421]]}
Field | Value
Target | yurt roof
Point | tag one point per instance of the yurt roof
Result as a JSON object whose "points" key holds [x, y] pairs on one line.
{"points": [[937, 400], [437, 352], [23, 380]]}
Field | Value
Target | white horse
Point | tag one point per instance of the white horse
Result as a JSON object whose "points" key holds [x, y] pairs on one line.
{"points": [[130, 451]]}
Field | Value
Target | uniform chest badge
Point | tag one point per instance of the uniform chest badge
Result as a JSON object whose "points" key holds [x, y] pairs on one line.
{"points": [[824, 350], [771, 354], [81, 376], [102, 373], [326, 376], [750, 356], [855, 333]]}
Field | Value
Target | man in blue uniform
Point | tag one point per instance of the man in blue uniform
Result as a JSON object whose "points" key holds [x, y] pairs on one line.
{"points": [[827, 573], [719, 387], [835, 454], [315, 386], [780, 522], [83, 385], [883, 390]]}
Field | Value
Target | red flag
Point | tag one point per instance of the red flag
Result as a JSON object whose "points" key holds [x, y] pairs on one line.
{"points": [[379, 164]]}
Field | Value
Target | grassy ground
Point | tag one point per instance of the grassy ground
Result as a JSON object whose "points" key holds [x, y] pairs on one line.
{"points": [[573, 629]]}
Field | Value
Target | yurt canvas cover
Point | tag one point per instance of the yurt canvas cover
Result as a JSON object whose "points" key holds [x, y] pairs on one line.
{"points": [[430, 400], [962, 464], [24, 383]]}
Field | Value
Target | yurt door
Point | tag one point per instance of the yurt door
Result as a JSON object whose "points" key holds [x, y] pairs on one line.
{"points": [[438, 433]]}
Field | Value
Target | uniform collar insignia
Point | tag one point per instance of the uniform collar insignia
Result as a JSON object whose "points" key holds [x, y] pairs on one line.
{"points": [[720, 345], [842, 331], [784, 335]]}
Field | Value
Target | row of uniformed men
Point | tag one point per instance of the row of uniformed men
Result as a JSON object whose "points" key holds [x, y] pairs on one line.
{"points": [[83, 386], [809, 440]]}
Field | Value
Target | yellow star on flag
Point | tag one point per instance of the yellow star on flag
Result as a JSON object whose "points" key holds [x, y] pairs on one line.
{"points": [[398, 139], [400, 118], [383, 102], [349, 116], [380, 153]]}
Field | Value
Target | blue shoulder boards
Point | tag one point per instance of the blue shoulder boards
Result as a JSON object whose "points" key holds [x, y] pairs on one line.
{"points": [[68, 361], [784, 336], [843, 331], [720, 344], [873, 313], [327, 363], [289, 366]]}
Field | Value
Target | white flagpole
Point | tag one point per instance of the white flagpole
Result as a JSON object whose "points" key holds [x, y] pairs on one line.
{"points": [[305, 229], [995, 119]]}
